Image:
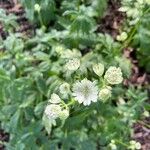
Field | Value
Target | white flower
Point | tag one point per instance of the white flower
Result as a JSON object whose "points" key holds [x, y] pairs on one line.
{"points": [[37, 7], [64, 114], [52, 111], [85, 92], [98, 69], [55, 99], [73, 64], [113, 75], [64, 88], [105, 93]]}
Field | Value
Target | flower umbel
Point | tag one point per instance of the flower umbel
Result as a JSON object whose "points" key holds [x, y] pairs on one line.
{"points": [[113, 75], [52, 111], [73, 64], [85, 92]]}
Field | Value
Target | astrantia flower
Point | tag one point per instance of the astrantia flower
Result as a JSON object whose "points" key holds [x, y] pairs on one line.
{"points": [[55, 99], [105, 93], [98, 69], [64, 88], [52, 111], [73, 64], [85, 92], [113, 75]]}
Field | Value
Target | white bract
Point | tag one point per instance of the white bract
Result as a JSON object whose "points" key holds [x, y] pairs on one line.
{"points": [[55, 99], [73, 64], [98, 69], [52, 111], [85, 92], [64, 88], [113, 75], [105, 93]]}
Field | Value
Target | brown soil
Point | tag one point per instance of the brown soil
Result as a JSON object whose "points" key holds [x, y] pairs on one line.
{"points": [[112, 20]]}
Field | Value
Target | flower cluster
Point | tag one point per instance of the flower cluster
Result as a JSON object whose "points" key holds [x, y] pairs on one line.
{"points": [[73, 64], [84, 91], [55, 110], [134, 145], [113, 75]]}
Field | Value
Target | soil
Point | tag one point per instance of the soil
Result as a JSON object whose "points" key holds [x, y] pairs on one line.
{"points": [[111, 23]]}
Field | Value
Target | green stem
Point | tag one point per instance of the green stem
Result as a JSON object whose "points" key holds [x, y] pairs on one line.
{"points": [[71, 103], [120, 142], [40, 18]]}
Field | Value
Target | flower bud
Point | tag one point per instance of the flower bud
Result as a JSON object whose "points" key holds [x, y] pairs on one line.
{"points": [[64, 88], [134, 145], [138, 145], [113, 75], [112, 145], [73, 64], [98, 69], [105, 93], [37, 7], [64, 114], [146, 114], [55, 99], [59, 49], [122, 37]]}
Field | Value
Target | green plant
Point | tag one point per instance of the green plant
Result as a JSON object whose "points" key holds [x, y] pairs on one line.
{"points": [[62, 88], [138, 13]]}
